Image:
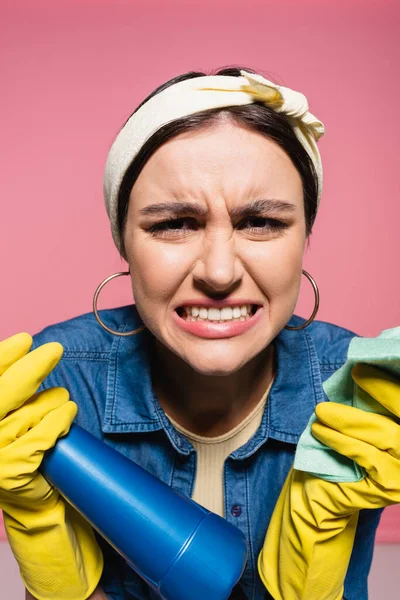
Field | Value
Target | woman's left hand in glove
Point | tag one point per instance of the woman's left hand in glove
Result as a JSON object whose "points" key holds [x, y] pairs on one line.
{"points": [[371, 440], [310, 537]]}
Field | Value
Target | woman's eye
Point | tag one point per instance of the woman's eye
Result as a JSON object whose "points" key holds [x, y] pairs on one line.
{"points": [[262, 225], [173, 226], [185, 225]]}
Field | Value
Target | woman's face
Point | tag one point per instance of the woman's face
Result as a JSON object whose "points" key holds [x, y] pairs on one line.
{"points": [[215, 238]]}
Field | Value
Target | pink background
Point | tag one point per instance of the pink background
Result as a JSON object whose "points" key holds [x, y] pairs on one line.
{"points": [[72, 72]]}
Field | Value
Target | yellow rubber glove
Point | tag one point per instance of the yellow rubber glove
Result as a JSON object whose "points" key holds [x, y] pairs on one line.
{"points": [[54, 546], [310, 537], [371, 440], [308, 546]]}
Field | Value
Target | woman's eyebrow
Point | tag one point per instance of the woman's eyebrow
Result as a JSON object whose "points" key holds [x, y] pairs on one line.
{"points": [[262, 207], [255, 207], [175, 209]]}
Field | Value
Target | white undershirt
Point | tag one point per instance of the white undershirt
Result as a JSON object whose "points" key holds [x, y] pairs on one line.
{"points": [[212, 453]]}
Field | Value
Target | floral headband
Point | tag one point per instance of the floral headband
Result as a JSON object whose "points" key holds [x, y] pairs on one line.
{"points": [[195, 95]]}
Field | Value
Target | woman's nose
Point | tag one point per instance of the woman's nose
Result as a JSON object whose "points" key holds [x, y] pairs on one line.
{"points": [[218, 267]]}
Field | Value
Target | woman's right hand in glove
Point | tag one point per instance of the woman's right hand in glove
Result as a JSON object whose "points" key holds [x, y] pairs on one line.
{"points": [[54, 546], [30, 423]]}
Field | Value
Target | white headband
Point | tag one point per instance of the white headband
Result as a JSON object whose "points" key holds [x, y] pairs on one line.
{"points": [[195, 95]]}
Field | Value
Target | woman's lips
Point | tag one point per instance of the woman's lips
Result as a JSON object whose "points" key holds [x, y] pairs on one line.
{"points": [[210, 330]]}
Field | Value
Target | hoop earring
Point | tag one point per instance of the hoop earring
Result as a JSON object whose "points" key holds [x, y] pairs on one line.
{"points": [[316, 306], [96, 314]]}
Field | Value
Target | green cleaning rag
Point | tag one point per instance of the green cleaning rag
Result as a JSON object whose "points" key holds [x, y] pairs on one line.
{"points": [[313, 456]]}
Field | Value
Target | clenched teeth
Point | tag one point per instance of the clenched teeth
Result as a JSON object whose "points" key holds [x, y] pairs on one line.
{"points": [[217, 315]]}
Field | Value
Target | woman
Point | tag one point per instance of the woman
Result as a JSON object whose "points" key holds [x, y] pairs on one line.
{"points": [[212, 189]]}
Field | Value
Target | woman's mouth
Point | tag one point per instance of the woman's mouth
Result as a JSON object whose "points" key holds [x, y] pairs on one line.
{"points": [[217, 323], [217, 315]]}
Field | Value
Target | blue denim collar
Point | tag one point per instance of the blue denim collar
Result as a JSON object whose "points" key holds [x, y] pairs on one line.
{"points": [[132, 406]]}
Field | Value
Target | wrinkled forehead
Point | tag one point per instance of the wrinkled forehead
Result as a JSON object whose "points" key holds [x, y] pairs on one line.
{"points": [[227, 162]]}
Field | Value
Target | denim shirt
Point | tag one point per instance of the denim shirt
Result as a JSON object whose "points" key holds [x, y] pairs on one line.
{"points": [[109, 378]]}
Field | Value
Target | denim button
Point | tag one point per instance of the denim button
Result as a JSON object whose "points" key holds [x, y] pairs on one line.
{"points": [[236, 510]]}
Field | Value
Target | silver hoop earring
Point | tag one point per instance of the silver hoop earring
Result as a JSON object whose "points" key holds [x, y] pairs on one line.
{"points": [[316, 306], [96, 314]]}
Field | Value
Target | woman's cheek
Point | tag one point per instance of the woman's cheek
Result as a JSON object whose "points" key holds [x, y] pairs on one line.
{"points": [[160, 270], [276, 267]]}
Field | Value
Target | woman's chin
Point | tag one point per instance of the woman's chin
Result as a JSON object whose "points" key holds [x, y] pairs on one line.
{"points": [[213, 357], [216, 366]]}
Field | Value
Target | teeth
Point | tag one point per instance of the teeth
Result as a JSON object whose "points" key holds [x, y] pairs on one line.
{"points": [[214, 314], [228, 313]]}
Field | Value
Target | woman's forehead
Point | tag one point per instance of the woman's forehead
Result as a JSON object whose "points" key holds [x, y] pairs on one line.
{"points": [[227, 160]]}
